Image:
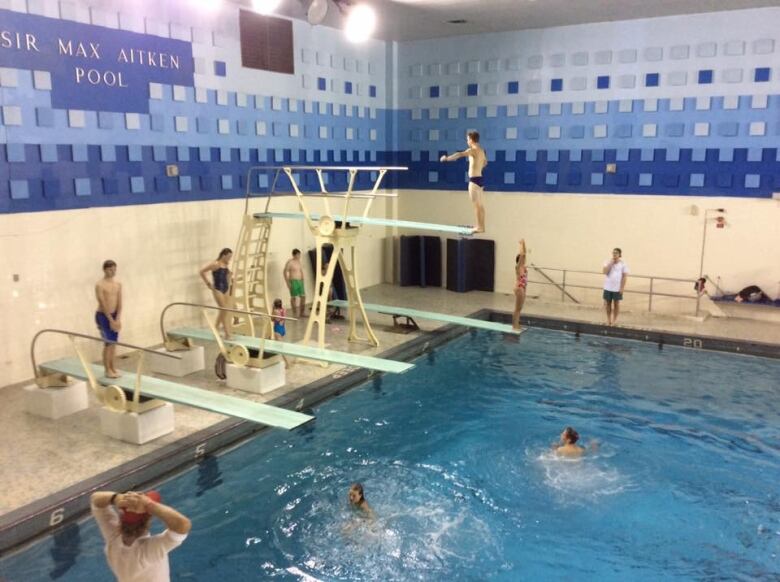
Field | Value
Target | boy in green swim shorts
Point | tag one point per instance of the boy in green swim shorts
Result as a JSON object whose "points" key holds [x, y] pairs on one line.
{"points": [[293, 276]]}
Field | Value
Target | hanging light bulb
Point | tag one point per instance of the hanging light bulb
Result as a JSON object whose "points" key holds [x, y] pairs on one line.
{"points": [[361, 23], [317, 11], [265, 6]]}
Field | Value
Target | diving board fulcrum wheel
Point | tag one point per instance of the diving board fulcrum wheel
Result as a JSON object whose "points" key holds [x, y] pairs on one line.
{"points": [[114, 397], [239, 355], [326, 225]]}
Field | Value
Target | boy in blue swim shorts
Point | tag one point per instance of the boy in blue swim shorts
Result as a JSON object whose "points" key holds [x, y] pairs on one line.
{"points": [[108, 292]]}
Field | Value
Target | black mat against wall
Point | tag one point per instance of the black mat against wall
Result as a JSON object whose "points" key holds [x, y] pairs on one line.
{"points": [[339, 286], [471, 264], [420, 261], [410, 260], [432, 252]]}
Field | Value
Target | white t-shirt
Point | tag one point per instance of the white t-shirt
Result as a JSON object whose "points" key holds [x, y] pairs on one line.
{"points": [[146, 560], [615, 275]]}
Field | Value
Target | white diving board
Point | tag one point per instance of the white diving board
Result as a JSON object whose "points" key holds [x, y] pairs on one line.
{"points": [[182, 394], [454, 319], [460, 230], [298, 350]]}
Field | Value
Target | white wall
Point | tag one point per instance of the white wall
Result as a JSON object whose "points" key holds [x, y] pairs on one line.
{"points": [[159, 250], [658, 234]]}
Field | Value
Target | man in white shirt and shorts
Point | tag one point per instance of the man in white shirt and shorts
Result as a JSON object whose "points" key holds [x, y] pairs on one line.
{"points": [[124, 519], [616, 272]]}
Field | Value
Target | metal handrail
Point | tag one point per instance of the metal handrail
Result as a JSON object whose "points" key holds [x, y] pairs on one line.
{"points": [[214, 307], [278, 170], [91, 337], [632, 274], [327, 168], [651, 293], [355, 194], [635, 292], [562, 288]]}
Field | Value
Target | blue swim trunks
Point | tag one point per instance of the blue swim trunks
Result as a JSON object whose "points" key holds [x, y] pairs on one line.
{"points": [[103, 325], [279, 329]]}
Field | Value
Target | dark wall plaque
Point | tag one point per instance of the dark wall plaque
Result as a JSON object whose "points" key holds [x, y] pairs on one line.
{"points": [[266, 43]]}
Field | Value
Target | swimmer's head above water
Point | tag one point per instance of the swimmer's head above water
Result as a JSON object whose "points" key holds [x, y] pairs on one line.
{"points": [[356, 496], [568, 447], [569, 436], [358, 500]]}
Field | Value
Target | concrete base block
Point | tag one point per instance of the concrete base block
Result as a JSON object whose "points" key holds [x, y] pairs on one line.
{"points": [[138, 429], [192, 360], [56, 402], [257, 380]]}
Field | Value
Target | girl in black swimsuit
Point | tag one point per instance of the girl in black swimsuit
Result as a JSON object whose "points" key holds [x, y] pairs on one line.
{"points": [[223, 281]]}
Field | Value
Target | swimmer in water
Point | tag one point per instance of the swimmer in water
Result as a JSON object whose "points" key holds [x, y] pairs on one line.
{"points": [[568, 447], [358, 500]]}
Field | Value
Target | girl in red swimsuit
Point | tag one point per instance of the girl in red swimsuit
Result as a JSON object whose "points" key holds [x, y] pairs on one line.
{"points": [[521, 272]]}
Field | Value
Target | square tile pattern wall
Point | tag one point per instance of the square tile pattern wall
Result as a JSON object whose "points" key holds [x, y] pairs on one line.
{"points": [[698, 118], [675, 117]]}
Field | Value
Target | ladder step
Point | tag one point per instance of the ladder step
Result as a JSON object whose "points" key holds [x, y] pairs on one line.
{"points": [[256, 275]]}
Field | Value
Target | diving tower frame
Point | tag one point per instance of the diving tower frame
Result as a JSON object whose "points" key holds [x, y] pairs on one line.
{"points": [[337, 228], [328, 228]]}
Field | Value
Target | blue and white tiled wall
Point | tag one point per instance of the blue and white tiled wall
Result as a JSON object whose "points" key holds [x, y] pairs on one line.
{"points": [[686, 105], [331, 109], [683, 105]]}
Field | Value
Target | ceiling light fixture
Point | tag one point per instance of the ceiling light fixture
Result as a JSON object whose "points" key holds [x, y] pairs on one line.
{"points": [[265, 6], [457, 21], [317, 11], [360, 24]]}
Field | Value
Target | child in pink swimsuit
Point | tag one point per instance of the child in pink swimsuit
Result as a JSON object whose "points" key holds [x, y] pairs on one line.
{"points": [[522, 277], [521, 272], [280, 329]]}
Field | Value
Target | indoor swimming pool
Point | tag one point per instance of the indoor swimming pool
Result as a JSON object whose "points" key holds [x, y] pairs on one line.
{"points": [[455, 457]]}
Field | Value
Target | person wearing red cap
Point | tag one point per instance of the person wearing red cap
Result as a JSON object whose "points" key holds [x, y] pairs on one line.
{"points": [[124, 520]]}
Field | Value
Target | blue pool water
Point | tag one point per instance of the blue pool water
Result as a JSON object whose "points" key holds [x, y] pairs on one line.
{"points": [[455, 460]]}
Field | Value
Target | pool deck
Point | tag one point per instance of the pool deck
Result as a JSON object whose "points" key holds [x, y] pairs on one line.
{"points": [[53, 458]]}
